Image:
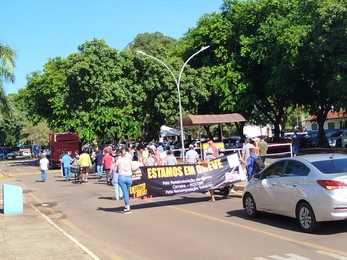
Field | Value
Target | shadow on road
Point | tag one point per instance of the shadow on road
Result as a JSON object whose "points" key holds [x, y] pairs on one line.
{"points": [[182, 200], [287, 223], [24, 162]]}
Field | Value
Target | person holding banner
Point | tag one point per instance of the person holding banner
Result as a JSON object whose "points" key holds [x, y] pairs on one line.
{"points": [[123, 167], [210, 156]]}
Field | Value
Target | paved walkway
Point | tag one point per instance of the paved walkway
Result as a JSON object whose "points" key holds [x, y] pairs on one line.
{"points": [[32, 235]]}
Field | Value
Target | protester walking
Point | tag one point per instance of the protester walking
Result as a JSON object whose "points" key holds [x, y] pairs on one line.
{"points": [[254, 164], [295, 143], [107, 163], [44, 165], [123, 168], [170, 158], [213, 148], [118, 194], [150, 159], [66, 161], [192, 156], [98, 160], [262, 148], [85, 163], [245, 149]]}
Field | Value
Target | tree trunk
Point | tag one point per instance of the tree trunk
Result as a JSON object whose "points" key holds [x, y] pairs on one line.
{"points": [[322, 139], [239, 128], [208, 131]]}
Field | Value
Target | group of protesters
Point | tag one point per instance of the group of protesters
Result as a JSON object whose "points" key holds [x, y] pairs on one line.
{"points": [[119, 165]]}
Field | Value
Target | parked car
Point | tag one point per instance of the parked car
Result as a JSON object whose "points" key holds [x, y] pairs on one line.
{"points": [[233, 142], [3, 156], [13, 154], [311, 188], [26, 153], [338, 138], [280, 145]]}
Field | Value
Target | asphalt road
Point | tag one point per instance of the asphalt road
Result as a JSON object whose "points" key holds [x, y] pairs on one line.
{"points": [[179, 227]]}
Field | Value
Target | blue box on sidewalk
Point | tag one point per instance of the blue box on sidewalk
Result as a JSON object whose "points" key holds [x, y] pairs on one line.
{"points": [[12, 197]]}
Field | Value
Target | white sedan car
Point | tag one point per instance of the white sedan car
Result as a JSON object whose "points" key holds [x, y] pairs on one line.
{"points": [[26, 153], [310, 188]]}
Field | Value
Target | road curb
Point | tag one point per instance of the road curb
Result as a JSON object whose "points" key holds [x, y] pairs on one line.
{"points": [[75, 241]]}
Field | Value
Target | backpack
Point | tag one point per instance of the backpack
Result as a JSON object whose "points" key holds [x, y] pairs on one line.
{"points": [[258, 165]]}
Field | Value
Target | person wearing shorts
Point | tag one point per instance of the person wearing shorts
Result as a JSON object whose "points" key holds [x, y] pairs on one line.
{"points": [[85, 163]]}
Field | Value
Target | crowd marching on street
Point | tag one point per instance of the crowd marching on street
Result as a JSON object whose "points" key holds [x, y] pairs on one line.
{"points": [[118, 165]]}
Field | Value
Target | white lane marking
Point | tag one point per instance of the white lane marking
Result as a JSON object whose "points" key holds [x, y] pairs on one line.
{"points": [[340, 257], [288, 256]]}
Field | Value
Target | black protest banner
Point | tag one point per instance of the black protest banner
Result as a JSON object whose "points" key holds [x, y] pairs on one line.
{"points": [[179, 179]]}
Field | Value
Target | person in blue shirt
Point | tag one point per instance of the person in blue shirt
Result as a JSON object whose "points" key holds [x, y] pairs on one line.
{"points": [[66, 161], [250, 163]]}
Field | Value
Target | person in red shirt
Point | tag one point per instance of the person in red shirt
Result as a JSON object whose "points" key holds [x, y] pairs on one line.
{"points": [[214, 148], [107, 162]]}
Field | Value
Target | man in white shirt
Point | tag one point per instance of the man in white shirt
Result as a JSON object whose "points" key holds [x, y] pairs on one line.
{"points": [[192, 156], [245, 149], [44, 165]]}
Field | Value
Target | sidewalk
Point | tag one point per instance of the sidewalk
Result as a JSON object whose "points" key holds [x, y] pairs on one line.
{"points": [[32, 235]]}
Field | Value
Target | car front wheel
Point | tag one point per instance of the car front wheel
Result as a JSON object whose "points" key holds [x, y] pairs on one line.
{"points": [[250, 206], [306, 218]]}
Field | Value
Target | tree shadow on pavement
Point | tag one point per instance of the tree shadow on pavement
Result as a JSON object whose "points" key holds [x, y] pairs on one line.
{"points": [[24, 162]]}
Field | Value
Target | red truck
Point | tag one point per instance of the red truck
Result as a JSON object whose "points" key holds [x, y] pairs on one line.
{"points": [[62, 142]]}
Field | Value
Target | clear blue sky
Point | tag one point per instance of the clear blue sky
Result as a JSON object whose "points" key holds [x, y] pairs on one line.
{"points": [[41, 29]]}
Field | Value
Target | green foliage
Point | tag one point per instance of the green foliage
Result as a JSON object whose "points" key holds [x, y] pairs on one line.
{"points": [[155, 43], [7, 65], [271, 55], [36, 134], [107, 95], [266, 59], [9, 132]]}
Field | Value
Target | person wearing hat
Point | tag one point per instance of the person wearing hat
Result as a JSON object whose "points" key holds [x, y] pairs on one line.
{"points": [[192, 156]]}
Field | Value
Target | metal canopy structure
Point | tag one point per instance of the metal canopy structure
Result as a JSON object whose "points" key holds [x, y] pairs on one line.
{"points": [[212, 119]]}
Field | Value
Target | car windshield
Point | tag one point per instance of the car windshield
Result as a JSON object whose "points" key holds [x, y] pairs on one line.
{"points": [[332, 166], [337, 134]]}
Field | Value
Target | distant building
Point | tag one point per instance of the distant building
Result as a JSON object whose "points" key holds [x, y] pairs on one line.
{"points": [[335, 120]]}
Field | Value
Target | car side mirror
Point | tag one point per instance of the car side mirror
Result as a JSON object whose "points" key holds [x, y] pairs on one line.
{"points": [[256, 176]]}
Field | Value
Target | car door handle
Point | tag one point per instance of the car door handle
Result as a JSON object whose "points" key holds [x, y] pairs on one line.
{"points": [[294, 185], [273, 184]]}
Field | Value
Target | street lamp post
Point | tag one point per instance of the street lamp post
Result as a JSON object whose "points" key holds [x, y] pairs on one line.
{"points": [[178, 86]]}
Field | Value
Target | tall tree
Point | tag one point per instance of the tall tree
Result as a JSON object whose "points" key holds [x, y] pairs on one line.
{"points": [[260, 51], [7, 64], [155, 86], [322, 60]]}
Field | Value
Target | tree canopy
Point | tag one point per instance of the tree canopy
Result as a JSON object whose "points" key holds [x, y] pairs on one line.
{"points": [[267, 58], [7, 65]]}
